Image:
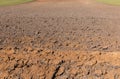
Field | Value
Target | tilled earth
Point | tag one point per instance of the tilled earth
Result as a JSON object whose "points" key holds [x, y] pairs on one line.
{"points": [[60, 40]]}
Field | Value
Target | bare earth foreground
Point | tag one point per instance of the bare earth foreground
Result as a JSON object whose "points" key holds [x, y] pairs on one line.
{"points": [[73, 39]]}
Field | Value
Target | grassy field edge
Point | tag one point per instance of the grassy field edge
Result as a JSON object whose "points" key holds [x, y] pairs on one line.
{"points": [[13, 2]]}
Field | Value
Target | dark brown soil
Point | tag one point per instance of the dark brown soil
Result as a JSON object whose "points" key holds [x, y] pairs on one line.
{"points": [[60, 40]]}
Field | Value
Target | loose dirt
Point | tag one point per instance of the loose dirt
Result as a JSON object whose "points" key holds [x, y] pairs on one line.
{"points": [[60, 40]]}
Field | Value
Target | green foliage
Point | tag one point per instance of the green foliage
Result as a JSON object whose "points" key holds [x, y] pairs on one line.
{"points": [[111, 2], [12, 2]]}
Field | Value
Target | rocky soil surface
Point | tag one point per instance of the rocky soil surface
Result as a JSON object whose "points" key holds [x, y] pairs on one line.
{"points": [[60, 40]]}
